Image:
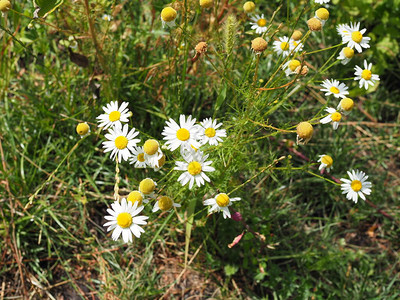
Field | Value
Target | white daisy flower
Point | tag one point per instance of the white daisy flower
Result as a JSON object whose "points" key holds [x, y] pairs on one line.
{"points": [[322, 1], [259, 23], [283, 46], [123, 220], [220, 203], [290, 66], [326, 162], [209, 132], [322, 14], [295, 46], [356, 186], [137, 158], [168, 17], [334, 117], [194, 168], [136, 196], [120, 142], [365, 75], [106, 17], [335, 88], [346, 54], [164, 203], [184, 134], [345, 105], [354, 38], [147, 187], [152, 153], [114, 115], [342, 29]]}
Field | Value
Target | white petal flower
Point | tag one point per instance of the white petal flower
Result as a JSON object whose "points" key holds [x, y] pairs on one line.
{"points": [[194, 166], [346, 54], [138, 158], [290, 66], [355, 37], [182, 135], [334, 117], [259, 24], [335, 88], [114, 115], [221, 202], [283, 46], [123, 220], [365, 75], [357, 186], [120, 142], [209, 132], [164, 203], [326, 162], [342, 29]]}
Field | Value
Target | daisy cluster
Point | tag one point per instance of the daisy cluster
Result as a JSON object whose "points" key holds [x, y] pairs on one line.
{"points": [[186, 137], [353, 38]]}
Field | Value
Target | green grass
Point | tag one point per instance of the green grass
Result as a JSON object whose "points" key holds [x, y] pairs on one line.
{"points": [[302, 239]]}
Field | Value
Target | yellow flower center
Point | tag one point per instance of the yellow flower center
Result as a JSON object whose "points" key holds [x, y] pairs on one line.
{"points": [[347, 104], [222, 200], [348, 52], [334, 90], [168, 14], [366, 74], [305, 130], [356, 36], [210, 132], [284, 46], [194, 168], [150, 147], [121, 142], [262, 22], [183, 134], [322, 13], [297, 35], [356, 185], [147, 186], [327, 160], [165, 203], [82, 128], [293, 64], [114, 116], [124, 220], [249, 6], [140, 157], [336, 117], [135, 196]]}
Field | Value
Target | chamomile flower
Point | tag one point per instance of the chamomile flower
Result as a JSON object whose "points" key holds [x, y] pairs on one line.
{"points": [[333, 116], [290, 66], [106, 17], [120, 142], [322, 1], [114, 115], [136, 196], [322, 14], [209, 132], [259, 24], [124, 219], [335, 88], [283, 46], [345, 105], [258, 45], [355, 37], [152, 153], [357, 186], [304, 132], [194, 168], [221, 202], [83, 129], [295, 46], [164, 203], [342, 29], [137, 158], [365, 75], [5, 6], [326, 162], [346, 54], [249, 7], [182, 135], [168, 17], [147, 187]]}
